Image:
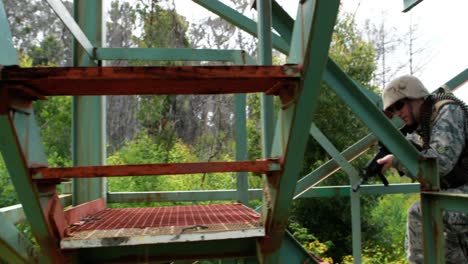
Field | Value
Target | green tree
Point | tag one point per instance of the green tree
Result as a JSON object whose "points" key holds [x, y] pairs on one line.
{"points": [[49, 52], [121, 122], [31, 21], [122, 24], [162, 28]]}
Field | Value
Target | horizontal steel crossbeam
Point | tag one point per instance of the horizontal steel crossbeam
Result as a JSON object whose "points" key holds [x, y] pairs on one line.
{"points": [[258, 166], [151, 80]]}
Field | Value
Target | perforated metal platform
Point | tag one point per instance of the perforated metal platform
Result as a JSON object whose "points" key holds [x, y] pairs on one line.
{"points": [[135, 226]]}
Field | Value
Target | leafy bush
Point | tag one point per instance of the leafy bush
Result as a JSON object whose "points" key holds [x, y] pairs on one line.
{"points": [[310, 242]]}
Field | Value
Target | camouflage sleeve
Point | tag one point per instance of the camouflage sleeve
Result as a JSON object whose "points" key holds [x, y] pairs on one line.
{"points": [[415, 139], [447, 138]]}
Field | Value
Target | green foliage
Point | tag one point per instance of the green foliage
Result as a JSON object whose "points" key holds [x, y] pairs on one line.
{"points": [[144, 150], [348, 49], [254, 144], [310, 242], [54, 119], [161, 27], [7, 192], [25, 61], [389, 218], [50, 52]]}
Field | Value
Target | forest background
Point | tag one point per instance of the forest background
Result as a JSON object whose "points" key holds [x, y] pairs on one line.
{"points": [[164, 129]]}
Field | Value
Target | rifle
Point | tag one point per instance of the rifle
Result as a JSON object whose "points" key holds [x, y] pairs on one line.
{"points": [[373, 168]]}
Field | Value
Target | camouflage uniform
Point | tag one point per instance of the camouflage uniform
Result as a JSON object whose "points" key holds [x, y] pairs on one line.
{"points": [[446, 143]]}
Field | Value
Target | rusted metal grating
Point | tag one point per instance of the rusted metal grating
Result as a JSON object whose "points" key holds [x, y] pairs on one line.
{"points": [[131, 226], [169, 216]]}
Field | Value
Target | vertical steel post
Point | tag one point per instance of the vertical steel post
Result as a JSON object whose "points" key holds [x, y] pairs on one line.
{"points": [[266, 102], [354, 196], [433, 228], [265, 58], [241, 146], [241, 133], [88, 147], [309, 46]]}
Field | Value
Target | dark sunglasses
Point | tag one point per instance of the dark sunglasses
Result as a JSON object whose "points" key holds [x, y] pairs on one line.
{"points": [[397, 106]]}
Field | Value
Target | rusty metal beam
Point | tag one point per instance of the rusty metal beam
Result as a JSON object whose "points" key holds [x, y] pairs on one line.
{"points": [[76, 213], [151, 80], [258, 166]]}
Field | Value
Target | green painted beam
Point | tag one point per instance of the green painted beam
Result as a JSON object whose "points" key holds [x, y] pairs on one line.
{"points": [[332, 166], [409, 4], [432, 224], [241, 146], [264, 36], [265, 58], [334, 153], [171, 54], [88, 145], [281, 21], [29, 138], [71, 24], [317, 50], [457, 81], [373, 117], [345, 190], [253, 194], [319, 19], [241, 21], [7, 50], [241, 58], [27, 193], [449, 201], [179, 196], [89, 119], [14, 246], [354, 196]]}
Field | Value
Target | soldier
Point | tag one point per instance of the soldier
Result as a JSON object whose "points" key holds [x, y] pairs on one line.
{"points": [[440, 127]]}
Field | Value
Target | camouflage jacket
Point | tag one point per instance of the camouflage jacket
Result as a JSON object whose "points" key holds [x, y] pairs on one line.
{"points": [[447, 139]]}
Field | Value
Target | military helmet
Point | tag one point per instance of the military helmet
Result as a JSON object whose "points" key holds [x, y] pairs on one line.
{"points": [[405, 86]]}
